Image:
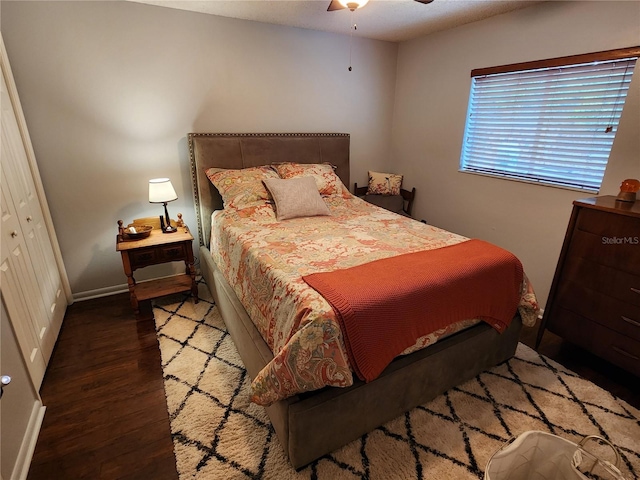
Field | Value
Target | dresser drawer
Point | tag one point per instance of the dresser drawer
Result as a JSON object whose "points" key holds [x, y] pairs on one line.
{"points": [[172, 253], [604, 224], [143, 257], [617, 252], [609, 312], [610, 281], [603, 342]]}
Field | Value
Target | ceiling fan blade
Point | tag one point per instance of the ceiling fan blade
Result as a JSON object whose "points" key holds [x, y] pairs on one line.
{"points": [[424, 1], [335, 5]]}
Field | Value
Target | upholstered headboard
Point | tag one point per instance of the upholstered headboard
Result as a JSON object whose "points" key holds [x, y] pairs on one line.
{"points": [[242, 150]]}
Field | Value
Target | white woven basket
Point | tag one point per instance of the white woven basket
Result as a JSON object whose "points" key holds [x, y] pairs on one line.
{"points": [[536, 455]]}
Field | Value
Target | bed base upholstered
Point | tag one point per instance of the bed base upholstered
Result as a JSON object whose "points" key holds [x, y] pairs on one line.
{"points": [[313, 424]]}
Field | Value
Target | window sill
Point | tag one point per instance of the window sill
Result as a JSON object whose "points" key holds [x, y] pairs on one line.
{"points": [[532, 182]]}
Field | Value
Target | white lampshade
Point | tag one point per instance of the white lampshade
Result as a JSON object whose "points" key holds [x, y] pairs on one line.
{"points": [[161, 191]]}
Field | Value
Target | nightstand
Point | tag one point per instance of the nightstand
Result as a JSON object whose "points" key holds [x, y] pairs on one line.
{"points": [[155, 249]]}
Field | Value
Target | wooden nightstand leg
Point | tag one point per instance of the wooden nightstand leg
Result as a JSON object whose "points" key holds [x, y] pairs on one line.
{"points": [[132, 293], [128, 271], [194, 288], [134, 299], [191, 270]]}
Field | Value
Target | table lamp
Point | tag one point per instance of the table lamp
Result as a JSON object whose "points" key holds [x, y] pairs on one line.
{"points": [[161, 191], [628, 189]]}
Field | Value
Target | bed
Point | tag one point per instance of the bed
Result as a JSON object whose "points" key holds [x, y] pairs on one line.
{"points": [[310, 424]]}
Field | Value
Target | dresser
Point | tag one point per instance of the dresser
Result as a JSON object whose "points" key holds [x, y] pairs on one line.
{"points": [[594, 300]]}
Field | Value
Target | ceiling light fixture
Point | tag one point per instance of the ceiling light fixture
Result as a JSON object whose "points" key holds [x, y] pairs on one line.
{"points": [[353, 4], [356, 4]]}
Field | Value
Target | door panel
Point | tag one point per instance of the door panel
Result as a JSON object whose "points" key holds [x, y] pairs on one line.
{"points": [[18, 272], [30, 254], [18, 288]]}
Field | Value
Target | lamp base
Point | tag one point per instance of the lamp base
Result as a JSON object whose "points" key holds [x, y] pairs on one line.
{"points": [[168, 228], [626, 197]]}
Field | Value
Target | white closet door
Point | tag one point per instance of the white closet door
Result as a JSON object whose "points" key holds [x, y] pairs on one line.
{"points": [[17, 280], [33, 284], [25, 198]]}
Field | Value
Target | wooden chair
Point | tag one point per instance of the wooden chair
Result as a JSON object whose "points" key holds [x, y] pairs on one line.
{"points": [[407, 196]]}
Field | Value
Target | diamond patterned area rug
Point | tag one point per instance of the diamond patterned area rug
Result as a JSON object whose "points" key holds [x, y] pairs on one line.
{"points": [[219, 434]]}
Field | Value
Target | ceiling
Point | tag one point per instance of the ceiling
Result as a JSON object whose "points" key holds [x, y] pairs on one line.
{"points": [[390, 20]]}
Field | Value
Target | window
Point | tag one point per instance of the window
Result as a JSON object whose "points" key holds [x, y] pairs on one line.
{"points": [[551, 122]]}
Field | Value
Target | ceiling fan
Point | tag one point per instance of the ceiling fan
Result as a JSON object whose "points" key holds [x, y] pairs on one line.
{"points": [[355, 4]]}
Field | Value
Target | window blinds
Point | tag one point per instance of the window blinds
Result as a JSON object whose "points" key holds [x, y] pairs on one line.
{"points": [[552, 125]]}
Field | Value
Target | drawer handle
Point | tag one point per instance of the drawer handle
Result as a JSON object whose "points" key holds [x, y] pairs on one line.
{"points": [[625, 353], [635, 290], [632, 322]]}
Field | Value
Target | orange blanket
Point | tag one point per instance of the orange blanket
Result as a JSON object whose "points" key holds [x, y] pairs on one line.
{"points": [[385, 305]]}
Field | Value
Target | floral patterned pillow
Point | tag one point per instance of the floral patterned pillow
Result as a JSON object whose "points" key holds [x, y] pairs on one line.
{"points": [[242, 188], [328, 182], [384, 183]]}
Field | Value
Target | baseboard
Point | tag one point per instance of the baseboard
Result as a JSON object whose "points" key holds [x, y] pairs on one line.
{"points": [[100, 292], [28, 446]]}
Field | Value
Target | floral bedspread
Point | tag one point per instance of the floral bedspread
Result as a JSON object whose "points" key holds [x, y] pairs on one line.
{"points": [[264, 261]]}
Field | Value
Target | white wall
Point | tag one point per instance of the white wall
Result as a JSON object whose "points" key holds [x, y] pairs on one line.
{"points": [[432, 91], [110, 90]]}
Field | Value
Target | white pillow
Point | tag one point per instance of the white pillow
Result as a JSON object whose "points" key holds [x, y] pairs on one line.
{"points": [[296, 197]]}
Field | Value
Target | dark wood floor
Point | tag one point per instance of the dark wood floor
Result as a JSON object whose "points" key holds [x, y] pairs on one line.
{"points": [[617, 381], [106, 414]]}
